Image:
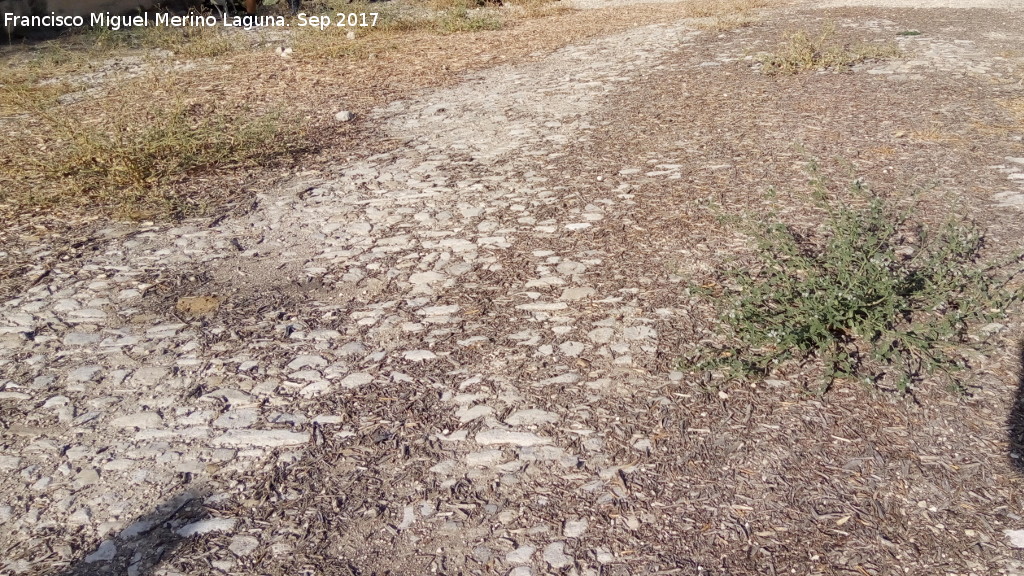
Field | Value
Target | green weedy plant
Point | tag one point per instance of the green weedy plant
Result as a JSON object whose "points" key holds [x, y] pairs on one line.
{"points": [[871, 294]]}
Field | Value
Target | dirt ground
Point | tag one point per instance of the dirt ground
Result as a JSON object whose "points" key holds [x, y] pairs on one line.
{"points": [[454, 351]]}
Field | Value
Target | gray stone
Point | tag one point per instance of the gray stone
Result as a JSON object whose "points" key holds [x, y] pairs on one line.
{"points": [[521, 555], [87, 315], [80, 338], [572, 349], [307, 361], [344, 116], [140, 420], [425, 278], [576, 293], [243, 545], [84, 373], [575, 528], [470, 414], [236, 419], [484, 458], [601, 335], [87, 477], [556, 557], [531, 417], [104, 553], [352, 349], [149, 375], [356, 380]]}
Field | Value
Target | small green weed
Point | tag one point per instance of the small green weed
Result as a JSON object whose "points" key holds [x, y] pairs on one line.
{"points": [[872, 294], [802, 53]]}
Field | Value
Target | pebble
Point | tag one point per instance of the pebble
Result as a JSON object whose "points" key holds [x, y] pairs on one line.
{"points": [[344, 116]]}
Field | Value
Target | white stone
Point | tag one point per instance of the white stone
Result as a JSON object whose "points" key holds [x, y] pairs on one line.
{"points": [[500, 436], [1016, 537], [14, 396], [543, 306], [264, 438], [206, 526], [344, 116], [601, 335], [419, 355]]}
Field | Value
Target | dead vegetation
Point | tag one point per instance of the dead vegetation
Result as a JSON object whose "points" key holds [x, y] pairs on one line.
{"points": [[802, 52], [120, 122]]}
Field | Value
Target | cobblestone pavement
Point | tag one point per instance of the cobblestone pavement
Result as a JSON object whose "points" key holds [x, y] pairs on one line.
{"points": [[458, 265]]}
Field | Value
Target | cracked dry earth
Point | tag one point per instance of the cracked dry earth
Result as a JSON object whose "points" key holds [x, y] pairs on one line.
{"points": [[456, 357]]}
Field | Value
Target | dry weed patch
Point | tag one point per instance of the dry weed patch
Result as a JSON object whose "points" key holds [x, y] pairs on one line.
{"points": [[802, 52], [125, 158]]}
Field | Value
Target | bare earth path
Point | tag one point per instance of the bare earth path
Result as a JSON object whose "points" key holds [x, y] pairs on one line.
{"points": [[456, 357]]}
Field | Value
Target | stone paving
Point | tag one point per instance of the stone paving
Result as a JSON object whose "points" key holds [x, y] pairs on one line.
{"points": [[120, 375]]}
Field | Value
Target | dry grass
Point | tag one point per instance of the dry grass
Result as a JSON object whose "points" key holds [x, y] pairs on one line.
{"points": [[89, 132], [126, 159], [802, 52]]}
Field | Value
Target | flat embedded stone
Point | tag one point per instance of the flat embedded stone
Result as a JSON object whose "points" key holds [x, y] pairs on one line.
{"points": [[500, 436], [264, 438]]}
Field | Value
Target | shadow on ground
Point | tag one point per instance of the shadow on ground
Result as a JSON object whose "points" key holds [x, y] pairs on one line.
{"points": [[1015, 423], [145, 543]]}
